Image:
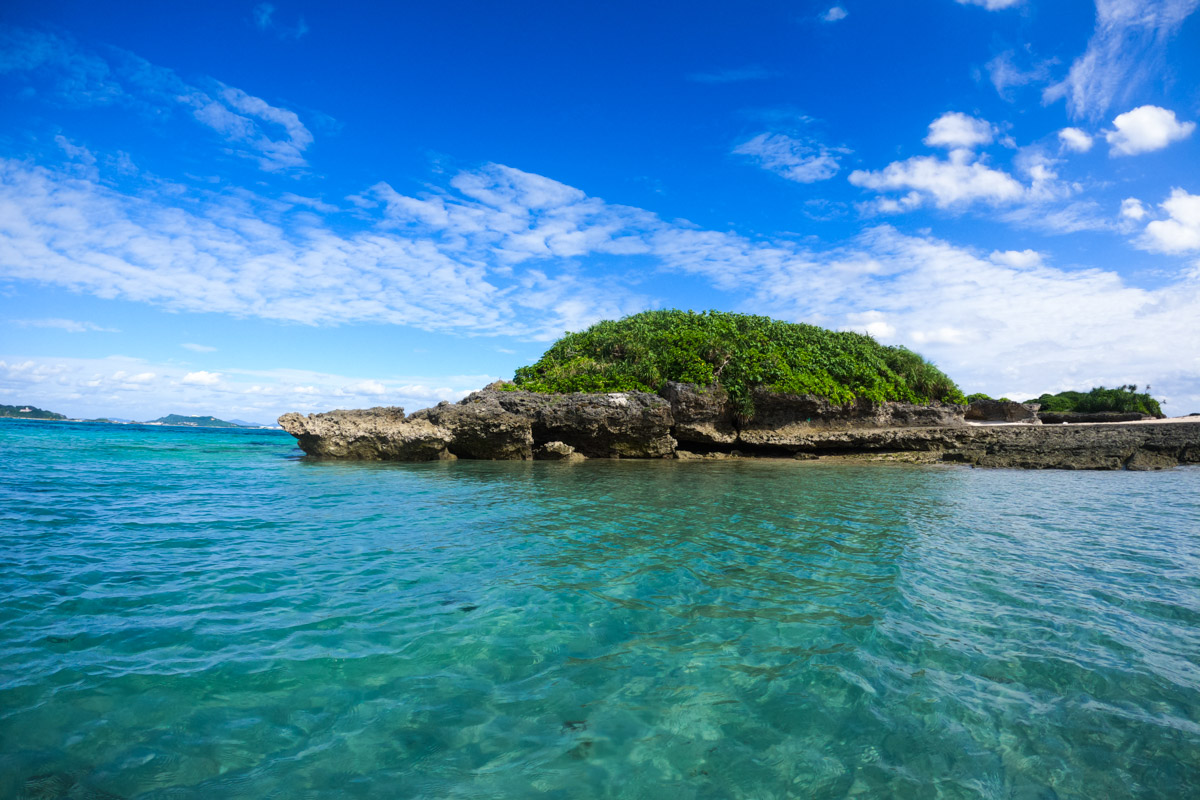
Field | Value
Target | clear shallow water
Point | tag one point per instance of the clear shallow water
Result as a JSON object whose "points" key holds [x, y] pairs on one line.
{"points": [[203, 614]]}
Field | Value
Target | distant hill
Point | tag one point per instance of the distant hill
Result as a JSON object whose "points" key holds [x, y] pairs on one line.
{"points": [[245, 424], [197, 422], [28, 412]]}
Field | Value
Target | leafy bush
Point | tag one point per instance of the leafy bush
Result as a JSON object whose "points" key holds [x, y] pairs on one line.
{"points": [[737, 351], [971, 398], [1121, 399]]}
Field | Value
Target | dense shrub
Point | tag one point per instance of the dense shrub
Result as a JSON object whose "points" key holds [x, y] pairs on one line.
{"points": [[1121, 399], [737, 351]]}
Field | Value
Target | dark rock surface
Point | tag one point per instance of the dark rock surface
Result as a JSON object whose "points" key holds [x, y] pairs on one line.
{"points": [[497, 424], [1076, 417], [988, 410], [701, 414]]}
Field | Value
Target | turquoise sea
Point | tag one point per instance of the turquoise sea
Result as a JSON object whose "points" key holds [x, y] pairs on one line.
{"points": [[196, 613]]}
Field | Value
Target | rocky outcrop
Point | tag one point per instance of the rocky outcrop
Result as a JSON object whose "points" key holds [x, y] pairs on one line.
{"points": [[616, 425], [792, 421], [1141, 446], [481, 430], [702, 415], [557, 451], [1078, 417], [989, 410], [368, 434], [691, 422]]}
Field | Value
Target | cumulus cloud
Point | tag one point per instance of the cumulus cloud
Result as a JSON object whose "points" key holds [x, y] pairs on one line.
{"points": [[954, 182], [1133, 209], [201, 378], [955, 129], [795, 159], [1145, 129], [835, 14], [1126, 50], [1075, 140], [1180, 232], [964, 178]]}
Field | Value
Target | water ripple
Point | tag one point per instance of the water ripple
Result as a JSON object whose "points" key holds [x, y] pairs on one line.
{"points": [[196, 614]]}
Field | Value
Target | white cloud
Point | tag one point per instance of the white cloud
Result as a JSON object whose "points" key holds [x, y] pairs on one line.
{"points": [[1144, 129], [794, 159], [198, 348], [990, 5], [955, 129], [1075, 140], [1180, 232], [373, 388], [68, 325], [201, 378], [1132, 209], [954, 182], [1125, 51], [1017, 259], [835, 14]]}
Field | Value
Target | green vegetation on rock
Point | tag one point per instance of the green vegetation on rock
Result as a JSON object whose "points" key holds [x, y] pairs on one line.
{"points": [[739, 352], [28, 412], [1100, 400], [971, 398]]}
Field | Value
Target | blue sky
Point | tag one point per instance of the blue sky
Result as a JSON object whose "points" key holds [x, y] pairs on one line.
{"points": [[248, 208]]}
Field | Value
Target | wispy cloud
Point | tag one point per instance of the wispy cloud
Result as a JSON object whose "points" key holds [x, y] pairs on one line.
{"points": [[198, 348], [68, 325], [990, 5], [1125, 51], [272, 136], [800, 160], [738, 75], [492, 256], [835, 14], [495, 252], [264, 18], [1006, 72]]}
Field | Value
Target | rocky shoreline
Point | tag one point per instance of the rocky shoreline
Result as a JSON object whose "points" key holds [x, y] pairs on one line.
{"points": [[684, 421]]}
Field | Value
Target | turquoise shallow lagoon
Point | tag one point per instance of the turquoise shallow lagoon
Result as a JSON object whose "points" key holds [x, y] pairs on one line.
{"points": [[205, 614]]}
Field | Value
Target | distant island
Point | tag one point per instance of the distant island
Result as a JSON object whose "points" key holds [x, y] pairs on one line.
{"points": [[196, 422], [28, 412], [33, 412]]}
